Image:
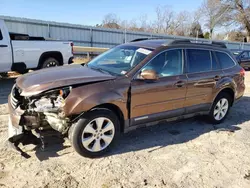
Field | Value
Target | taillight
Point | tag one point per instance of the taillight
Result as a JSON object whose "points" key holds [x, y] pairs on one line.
{"points": [[242, 72], [72, 47]]}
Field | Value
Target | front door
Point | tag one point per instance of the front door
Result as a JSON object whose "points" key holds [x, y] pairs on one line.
{"points": [[162, 98]]}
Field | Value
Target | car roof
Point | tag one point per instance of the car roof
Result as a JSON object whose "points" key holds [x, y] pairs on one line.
{"points": [[155, 43]]}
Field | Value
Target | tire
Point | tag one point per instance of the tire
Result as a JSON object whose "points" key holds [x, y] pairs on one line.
{"points": [[84, 135], [3, 75], [23, 71], [50, 62], [225, 100]]}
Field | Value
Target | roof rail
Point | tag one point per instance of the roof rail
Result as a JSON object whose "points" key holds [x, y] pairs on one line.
{"points": [[139, 39], [150, 38], [186, 41]]}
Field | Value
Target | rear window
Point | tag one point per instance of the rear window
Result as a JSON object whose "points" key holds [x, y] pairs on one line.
{"points": [[225, 60], [1, 36], [199, 61]]}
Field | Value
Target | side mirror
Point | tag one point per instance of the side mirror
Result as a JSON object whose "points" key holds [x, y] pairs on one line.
{"points": [[149, 75]]}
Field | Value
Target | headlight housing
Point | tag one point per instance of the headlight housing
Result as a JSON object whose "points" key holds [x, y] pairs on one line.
{"points": [[52, 101]]}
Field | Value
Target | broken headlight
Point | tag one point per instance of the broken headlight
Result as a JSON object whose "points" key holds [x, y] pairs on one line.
{"points": [[52, 101]]}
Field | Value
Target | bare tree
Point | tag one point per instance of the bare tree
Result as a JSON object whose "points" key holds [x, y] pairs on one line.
{"points": [[213, 14], [164, 19], [239, 11], [111, 21], [181, 25]]}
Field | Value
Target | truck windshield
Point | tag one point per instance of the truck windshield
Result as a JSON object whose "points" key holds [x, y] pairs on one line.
{"points": [[119, 60]]}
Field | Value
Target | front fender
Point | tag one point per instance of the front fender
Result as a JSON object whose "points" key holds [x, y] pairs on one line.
{"points": [[86, 97]]}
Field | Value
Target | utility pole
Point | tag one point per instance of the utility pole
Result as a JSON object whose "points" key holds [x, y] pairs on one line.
{"points": [[125, 32]]}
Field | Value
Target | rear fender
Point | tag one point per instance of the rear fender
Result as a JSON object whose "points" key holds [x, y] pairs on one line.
{"points": [[224, 83]]}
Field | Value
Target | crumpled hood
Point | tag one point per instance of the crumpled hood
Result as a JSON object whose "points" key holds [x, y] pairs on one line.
{"points": [[50, 78]]}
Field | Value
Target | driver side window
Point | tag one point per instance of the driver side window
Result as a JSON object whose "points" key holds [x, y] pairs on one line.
{"points": [[169, 63]]}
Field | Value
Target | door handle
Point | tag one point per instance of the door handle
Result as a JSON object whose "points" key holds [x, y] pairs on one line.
{"points": [[179, 83], [3, 46], [217, 78]]}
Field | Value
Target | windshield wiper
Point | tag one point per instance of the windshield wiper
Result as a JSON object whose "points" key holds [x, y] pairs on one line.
{"points": [[100, 70]]}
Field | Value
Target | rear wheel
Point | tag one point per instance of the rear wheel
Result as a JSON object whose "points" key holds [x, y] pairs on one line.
{"points": [[220, 108], [50, 62], [95, 133]]}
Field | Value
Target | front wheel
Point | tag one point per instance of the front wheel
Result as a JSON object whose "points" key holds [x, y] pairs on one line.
{"points": [[95, 133], [220, 108]]}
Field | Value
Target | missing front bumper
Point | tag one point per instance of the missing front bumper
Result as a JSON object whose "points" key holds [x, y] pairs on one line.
{"points": [[14, 131], [17, 135]]}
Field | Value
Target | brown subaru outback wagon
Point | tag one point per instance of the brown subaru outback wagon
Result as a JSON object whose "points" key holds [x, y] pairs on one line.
{"points": [[132, 85]]}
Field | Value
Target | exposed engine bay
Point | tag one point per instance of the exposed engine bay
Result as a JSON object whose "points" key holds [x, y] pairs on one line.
{"points": [[40, 114], [47, 110]]}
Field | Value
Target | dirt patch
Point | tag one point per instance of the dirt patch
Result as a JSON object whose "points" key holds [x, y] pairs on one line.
{"points": [[184, 154]]}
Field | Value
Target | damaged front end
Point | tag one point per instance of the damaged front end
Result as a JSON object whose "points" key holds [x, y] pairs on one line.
{"points": [[32, 116]]}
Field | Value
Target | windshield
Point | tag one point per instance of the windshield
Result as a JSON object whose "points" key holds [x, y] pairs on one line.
{"points": [[119, 60]]}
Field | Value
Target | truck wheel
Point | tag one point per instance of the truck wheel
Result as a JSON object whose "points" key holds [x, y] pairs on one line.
{"points": [[50, 62], [3, 75], [220, 108], [23, 71], [95, 133]]}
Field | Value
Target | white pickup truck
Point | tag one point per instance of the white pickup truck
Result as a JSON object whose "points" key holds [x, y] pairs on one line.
{"points": [[21, 52]]}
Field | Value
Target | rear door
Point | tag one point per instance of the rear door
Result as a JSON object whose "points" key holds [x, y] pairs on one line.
{"points": [[5, 49], [203, 72]]}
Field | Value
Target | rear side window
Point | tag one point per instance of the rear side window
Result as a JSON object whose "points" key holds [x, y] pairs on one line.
{"points": [[1, 36], [225, 60], [199, 61]]}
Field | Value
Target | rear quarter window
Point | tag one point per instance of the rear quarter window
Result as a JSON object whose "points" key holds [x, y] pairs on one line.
{"points": [[225, 60]]}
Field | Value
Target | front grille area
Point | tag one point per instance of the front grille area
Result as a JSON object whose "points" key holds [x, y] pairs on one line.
{"points": [[15, 97]]}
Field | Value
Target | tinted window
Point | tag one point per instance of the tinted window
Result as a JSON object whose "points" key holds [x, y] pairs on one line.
{"points": [[245, 55], [225, 60], [198, 61], [1, 36], [167, 63], [215, 65]]}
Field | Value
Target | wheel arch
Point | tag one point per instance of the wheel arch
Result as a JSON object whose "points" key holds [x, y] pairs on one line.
{"points": [[54, 54], [115, 109], [228, 90]]}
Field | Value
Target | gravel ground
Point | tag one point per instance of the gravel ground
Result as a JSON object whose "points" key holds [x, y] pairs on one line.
{"points": [[190, 153]]}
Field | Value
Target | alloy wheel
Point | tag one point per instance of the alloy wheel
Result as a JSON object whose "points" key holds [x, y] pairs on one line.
{"points": [[221, 109], [98, 134]]}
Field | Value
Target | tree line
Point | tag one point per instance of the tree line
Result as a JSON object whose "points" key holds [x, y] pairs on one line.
{"points": [[214, 19]]}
